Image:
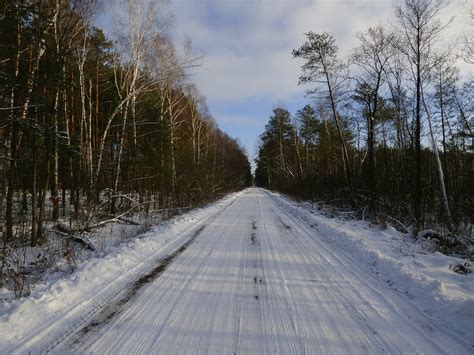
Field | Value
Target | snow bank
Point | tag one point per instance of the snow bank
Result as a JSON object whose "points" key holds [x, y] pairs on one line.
{"points": [[402, 263], [76, 297]]}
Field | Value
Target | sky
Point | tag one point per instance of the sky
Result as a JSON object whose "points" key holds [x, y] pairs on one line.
{"points": [[248, 69], [247, 66]]}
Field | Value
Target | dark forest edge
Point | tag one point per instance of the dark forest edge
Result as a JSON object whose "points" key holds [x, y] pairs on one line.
{"points": [[97, 130], [390, 135]]}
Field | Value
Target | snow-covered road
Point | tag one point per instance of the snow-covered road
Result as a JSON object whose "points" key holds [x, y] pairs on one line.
{"points": [[246, 275], [256, 279]]}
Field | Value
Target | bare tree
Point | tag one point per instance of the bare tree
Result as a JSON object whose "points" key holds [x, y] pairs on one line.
{"points": [[418, 28], [372, 57], [442, 182], [468, 42], [137, 24], [197, 108], [169, 71]]}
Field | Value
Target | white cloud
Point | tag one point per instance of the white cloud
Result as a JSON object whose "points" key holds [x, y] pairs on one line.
{"points": [[225, 75], [248, 43]]}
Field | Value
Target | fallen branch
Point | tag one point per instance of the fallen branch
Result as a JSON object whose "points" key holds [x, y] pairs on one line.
{"points": [[107, 221], [63, 230], [128, 221], [172, 209], [398, 222]]}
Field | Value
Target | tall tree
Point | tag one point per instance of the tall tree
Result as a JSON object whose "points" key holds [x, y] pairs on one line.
{"points": [[372, 56], [419, 28], [308, 131], [40, 22], [277, 144], [322, 66]]}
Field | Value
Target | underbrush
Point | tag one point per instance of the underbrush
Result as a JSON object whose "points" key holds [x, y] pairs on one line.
{"points": [[434, 237], [60, 251], [73, 239]]}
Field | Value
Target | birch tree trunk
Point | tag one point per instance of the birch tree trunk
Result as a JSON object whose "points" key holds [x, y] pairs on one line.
{"points": [[442, 184]]}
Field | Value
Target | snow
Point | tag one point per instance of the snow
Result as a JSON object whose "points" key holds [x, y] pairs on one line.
{"points": [[403, 263], [262, 274], [61, 304]]}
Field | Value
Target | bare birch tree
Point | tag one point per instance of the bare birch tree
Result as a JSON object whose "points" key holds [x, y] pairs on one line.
{"points": [[419, 28], [372, 58]]}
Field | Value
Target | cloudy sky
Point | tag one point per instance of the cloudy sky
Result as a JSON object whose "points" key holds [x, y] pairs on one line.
{"points": [[248, 66]]}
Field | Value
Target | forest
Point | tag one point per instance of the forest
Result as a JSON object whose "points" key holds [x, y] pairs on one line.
{"points": [[96, 128], [133, 220], [389, 134]]}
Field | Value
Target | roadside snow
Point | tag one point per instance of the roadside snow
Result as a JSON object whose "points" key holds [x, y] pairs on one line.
{"points": [[72, 299], [402, 263]]}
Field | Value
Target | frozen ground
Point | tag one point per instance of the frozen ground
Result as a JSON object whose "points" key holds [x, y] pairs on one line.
{"points": [[253, 273]]}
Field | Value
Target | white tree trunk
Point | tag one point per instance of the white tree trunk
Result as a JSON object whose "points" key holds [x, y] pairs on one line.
{"points": [[439, 166]]}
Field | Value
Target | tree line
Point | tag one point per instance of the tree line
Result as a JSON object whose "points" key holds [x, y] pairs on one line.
{"points": [[91, 122], [391, 133]]}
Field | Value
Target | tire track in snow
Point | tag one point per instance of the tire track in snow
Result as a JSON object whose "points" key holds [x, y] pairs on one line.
{"points": [[427, 332], [342, 305], [282, 331], [248, 262], [189, 272], [116, 306], [103, 312], [342, 294]]}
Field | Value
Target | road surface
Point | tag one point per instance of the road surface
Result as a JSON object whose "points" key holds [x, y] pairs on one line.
{"points": [[253, 278]]}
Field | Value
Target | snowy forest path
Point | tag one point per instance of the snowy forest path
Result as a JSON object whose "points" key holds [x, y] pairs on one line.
{"points": [[259, 279]]}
